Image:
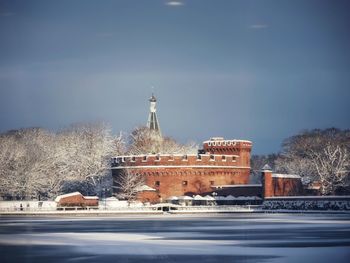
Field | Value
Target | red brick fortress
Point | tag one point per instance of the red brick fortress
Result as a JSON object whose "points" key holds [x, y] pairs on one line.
{"points": [[221, 162]]}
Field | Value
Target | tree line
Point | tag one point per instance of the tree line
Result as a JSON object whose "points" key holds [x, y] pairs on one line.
{"points": [[36, 163], [321, 156], [40, 164]]}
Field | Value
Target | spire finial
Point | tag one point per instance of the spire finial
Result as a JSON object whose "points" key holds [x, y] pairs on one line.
{"points": [[153, 98]]}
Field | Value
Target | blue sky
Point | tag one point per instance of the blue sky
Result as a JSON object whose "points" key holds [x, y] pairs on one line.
{"points": [[257, 70]]}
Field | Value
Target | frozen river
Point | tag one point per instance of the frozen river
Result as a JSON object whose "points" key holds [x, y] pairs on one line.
{"points": [[177, 238]]}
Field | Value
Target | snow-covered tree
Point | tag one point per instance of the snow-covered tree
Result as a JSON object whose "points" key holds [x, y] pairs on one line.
{"points": [[37, 163], [23, 161], [332, 164], [128, 184], [142, 140], [87, 152], [318, 155]]}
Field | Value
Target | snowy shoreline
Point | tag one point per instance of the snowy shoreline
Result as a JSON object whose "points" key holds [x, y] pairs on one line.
{"points": [[150, 213]]}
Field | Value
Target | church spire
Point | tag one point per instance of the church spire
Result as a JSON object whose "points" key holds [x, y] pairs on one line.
{"points": [[152, 122]]}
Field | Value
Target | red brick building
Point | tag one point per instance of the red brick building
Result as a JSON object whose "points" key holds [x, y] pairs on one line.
{"points": [[221, 167], [281, 184], [221, 162], [76, 199]]}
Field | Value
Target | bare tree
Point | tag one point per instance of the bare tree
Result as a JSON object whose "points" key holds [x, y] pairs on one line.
{"points": [[145, 141], [38, 163], [128, 184], [23, 165], [332, 165], [318, 155], [88, 149], [142, 140], [293, 164], [257, 162]]}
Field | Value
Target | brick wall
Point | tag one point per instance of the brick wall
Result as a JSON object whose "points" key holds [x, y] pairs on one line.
{"points": [[176, 175], [77, 200], [281, 185]]}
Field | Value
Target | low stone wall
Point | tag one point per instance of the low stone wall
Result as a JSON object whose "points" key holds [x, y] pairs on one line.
{"points": [[320, 203]]}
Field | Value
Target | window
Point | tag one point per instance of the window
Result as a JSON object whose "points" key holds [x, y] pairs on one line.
{"points": [[233, 159], [199, 157], [171, 158], [184, 157], [212, 182], [224, 158], [157, 183], [133, 159], [144, 159], [184, 183], [157, 157], [212, 157]]}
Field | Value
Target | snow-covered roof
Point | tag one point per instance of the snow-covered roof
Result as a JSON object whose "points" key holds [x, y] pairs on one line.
{"points": [[232, 198], [90, 197], [222, 140], [236, 185], [145, 188], [266, 167], [58, 198], [199, 198], [112, 198], [173, 198], [293, 176], [171, 154], [209, 198], [165, 205], [185, 197], [219, 197]]}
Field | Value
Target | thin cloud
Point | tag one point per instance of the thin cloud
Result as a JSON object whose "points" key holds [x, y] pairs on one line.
{"points": [[259, 26], [175, 3]]}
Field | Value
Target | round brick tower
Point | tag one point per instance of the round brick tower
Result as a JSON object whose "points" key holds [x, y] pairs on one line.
{"points": [[221, 162]]}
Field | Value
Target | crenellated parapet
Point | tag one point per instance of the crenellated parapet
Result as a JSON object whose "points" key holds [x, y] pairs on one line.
{"points": [[218, 145], [176, 160]]}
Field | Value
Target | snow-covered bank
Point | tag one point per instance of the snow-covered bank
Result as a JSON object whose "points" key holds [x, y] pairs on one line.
{"points": [[307, 203]]}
